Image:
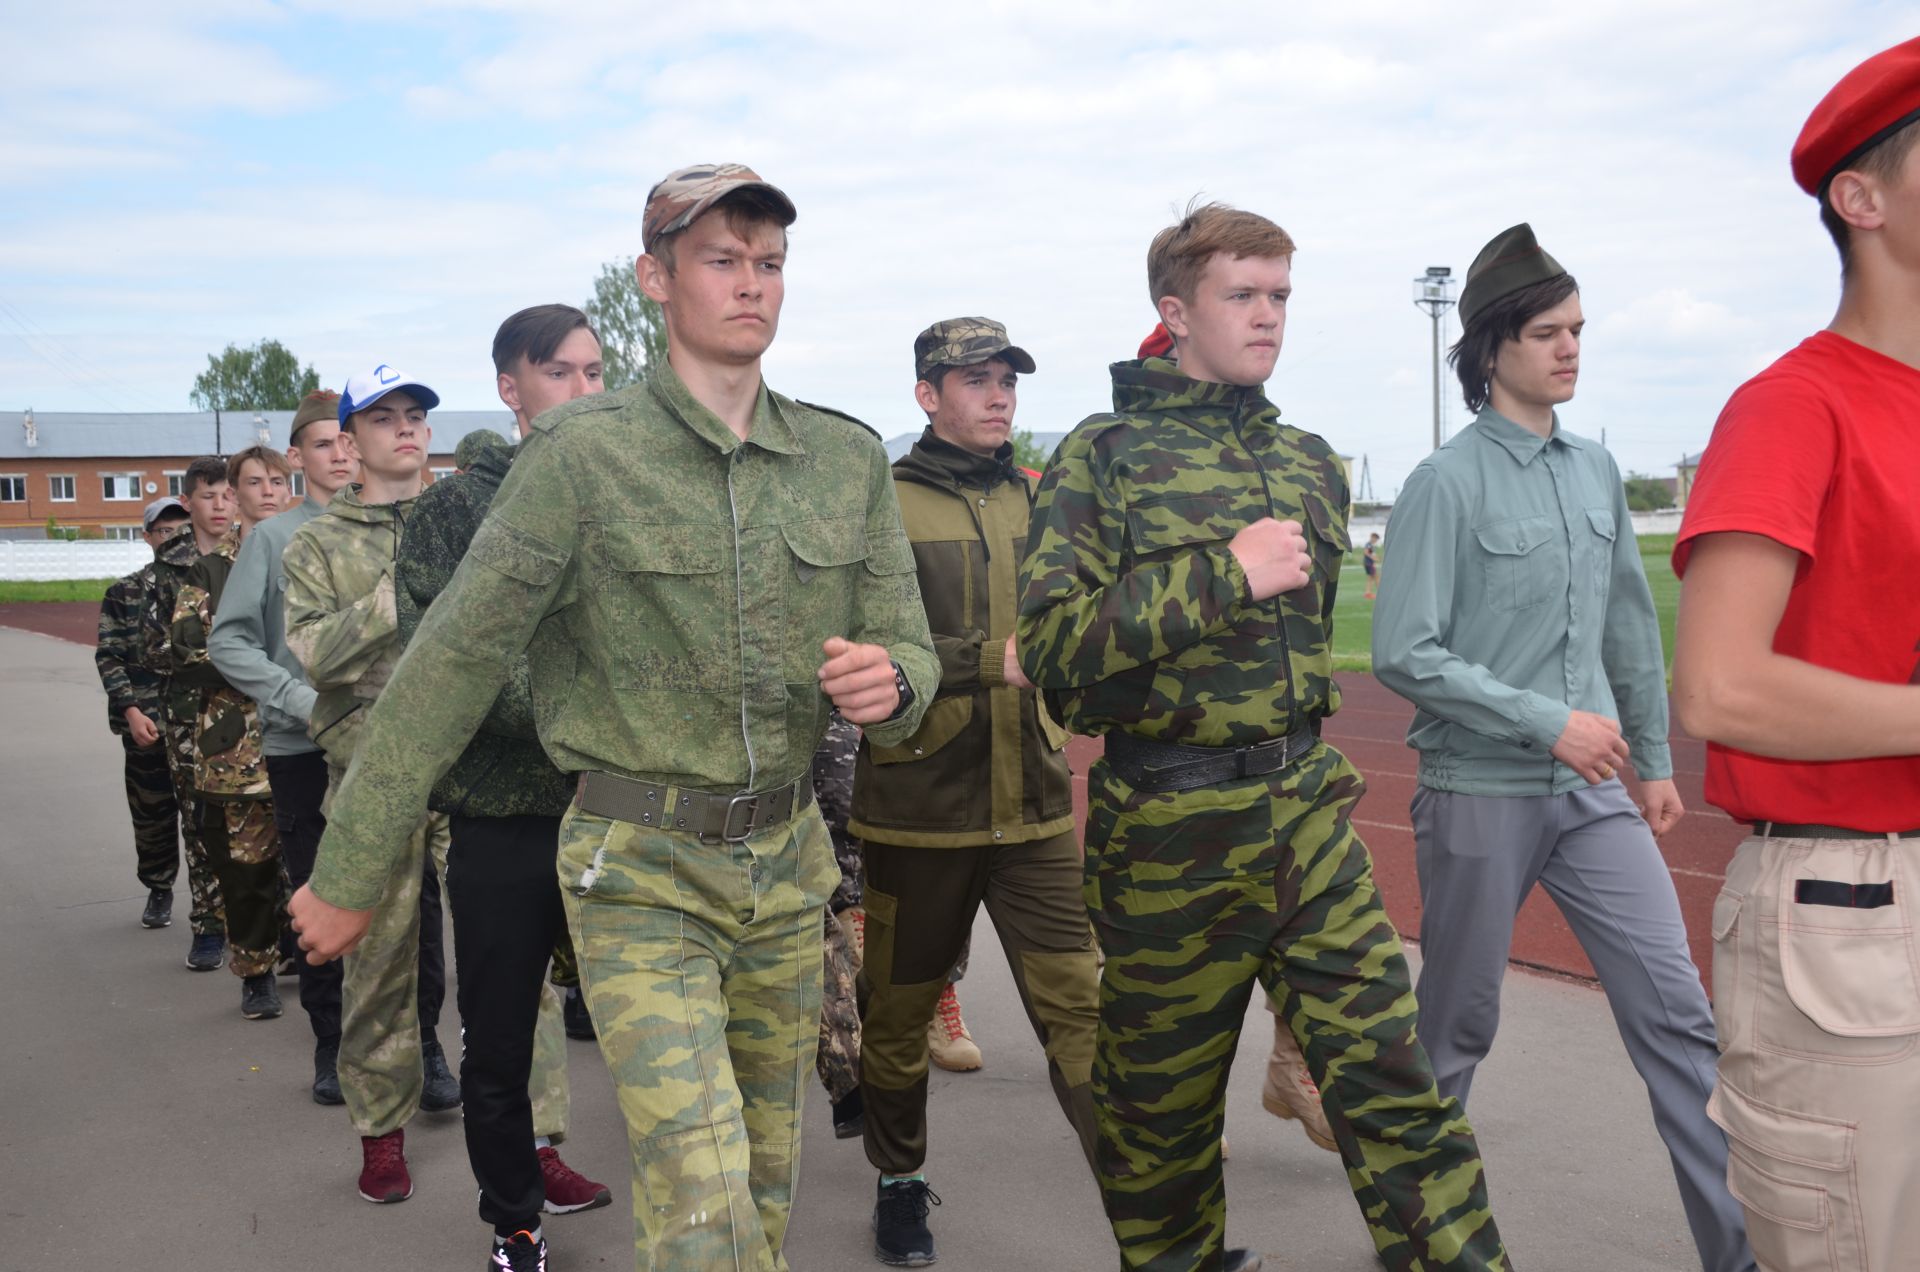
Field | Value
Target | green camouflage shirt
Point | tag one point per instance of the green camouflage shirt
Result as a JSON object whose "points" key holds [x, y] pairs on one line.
{"points": [[171, 560], [671, 586], [1134, 614], [120, 652]]}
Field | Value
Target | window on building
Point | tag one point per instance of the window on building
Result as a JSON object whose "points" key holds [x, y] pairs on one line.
{"points": [[60, 489], [125, 534], [13, 488], [175, 481], [119, 485], [298, 485], [441, 473]]}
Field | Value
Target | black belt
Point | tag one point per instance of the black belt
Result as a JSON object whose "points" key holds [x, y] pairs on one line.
{"points": [[729, 818], [1172, 766], [1805, 830]]}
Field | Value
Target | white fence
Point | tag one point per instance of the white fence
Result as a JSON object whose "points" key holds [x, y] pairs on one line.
{"points": [[29, 560]]}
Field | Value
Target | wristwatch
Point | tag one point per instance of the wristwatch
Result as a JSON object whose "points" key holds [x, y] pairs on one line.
{"points": [[906, 692]]}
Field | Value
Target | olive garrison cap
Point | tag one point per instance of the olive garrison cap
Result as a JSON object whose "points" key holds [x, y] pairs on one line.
{"points": [[1513, 260], [962, 342], [678, 199], [1871, 102], [321, 404]]}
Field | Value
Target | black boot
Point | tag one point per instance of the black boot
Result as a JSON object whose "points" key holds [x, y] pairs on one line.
{"points": [[326, 1072], [574, 1014], [849, 1116], [441, 1090]]}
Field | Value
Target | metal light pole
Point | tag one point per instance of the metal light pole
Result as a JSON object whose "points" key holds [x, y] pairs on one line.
{"points": [[1434, 292]]}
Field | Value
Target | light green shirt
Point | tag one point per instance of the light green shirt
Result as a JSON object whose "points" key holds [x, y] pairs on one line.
{"points": [[1512, 595]]}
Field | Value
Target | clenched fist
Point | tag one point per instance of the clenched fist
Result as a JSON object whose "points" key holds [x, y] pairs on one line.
{"points": [[1274, 555]]}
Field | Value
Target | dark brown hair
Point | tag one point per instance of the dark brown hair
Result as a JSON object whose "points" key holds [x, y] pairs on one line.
{"points": [[208, 470], [535, 334], [1496, 323], [272, 460]]}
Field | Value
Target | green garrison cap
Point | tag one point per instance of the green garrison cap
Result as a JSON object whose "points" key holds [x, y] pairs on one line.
{"points": [[1513, 260]]}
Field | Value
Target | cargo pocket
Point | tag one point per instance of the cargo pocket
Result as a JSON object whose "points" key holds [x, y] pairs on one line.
{"points": [[1521, 556], [1848, 968], [1794, 1175], [1726, 963]]}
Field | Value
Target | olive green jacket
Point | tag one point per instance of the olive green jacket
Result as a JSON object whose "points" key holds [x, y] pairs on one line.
{"points": [[671, 586], [986, 765]]}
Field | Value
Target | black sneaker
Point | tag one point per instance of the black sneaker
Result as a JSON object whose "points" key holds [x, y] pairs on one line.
{"points": [[521, 1252], [208, 951], [441, 1090], [326, 1072], [849, 1115], [1242, 1260], [574, 1015], [900, 1235], [159, 911], [259, 997]]}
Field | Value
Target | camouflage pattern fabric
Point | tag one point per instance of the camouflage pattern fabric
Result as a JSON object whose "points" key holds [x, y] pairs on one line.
{"points": [[119, 653], [1135, 615], [156, 816], [207, 913], [243, 845], [470, 447], [547, 1086], [833, 791], [677, 200], [565, 973], [229, 759], [839, 1061], [692, 955], [961, 342]]}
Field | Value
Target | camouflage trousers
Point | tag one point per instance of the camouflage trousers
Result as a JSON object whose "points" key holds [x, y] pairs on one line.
{"points": [[156, 816], [565, 972], [702, 968], [839, 1062], [208, 913], [243, 845], [1196, 896]]}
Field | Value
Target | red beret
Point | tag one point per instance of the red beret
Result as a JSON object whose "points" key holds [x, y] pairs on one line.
{"points": [[1871, 102], [1159, 342]]}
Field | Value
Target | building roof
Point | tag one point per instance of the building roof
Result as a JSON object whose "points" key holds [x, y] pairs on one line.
{"points": [[1693, 460], [125, 435]]}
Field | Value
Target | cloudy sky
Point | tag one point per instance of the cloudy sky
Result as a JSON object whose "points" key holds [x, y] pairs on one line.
{"points": [[384, 180]]}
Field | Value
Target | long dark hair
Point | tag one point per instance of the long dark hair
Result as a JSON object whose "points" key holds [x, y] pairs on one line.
{"points": [[1472, 355]]}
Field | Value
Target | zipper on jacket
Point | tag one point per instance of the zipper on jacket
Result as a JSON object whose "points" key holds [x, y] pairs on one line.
{"points": [[1279, 613]]}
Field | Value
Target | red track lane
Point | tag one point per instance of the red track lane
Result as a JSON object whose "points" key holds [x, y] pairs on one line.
{"points": [[1370, 729]]}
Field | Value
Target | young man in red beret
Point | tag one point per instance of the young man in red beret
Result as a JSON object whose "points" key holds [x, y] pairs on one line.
{"points": [[1799, 667]]}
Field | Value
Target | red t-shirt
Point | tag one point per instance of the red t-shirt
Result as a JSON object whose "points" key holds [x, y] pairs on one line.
{"points": [[1821, 452]]}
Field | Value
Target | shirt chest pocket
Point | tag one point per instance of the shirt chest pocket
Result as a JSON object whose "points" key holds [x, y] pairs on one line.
{"points": [[824, 555], [1525, 561], [665, 604], [1177, 524]]}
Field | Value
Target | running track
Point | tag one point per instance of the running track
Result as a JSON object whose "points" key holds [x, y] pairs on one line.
{"points": [[1370, 729]]}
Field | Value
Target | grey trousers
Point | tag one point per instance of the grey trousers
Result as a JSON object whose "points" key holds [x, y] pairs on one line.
{"points": [[1479, 856]]}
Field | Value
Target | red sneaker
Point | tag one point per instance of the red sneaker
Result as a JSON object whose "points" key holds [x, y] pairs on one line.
{"points": [[568, 1190], [383, 1174]]}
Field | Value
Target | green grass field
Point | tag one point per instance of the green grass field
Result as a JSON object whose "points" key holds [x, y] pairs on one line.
{"points": [[67, 590], [1353, 613]]}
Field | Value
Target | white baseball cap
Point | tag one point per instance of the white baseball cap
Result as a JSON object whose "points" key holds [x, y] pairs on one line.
{"points": [[368, 387]]}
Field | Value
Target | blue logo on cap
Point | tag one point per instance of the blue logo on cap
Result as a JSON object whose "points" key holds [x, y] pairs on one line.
{"points": [[385, 374]]}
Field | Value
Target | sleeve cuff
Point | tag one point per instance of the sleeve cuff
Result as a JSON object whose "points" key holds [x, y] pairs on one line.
{"points": [[1545, 721], [1653, 761], [342, 887], [993, 663]]}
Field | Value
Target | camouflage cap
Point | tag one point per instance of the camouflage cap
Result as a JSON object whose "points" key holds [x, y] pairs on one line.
{"points": [[678, 198], [473, 443], [961, 342]]}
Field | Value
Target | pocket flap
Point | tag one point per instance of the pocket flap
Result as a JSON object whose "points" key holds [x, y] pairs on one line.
{"points": [[1516, 537], [638, 548], [516, 554], [1327, 523], [1601, 519], [1853, 972], [942, 723], [1178, 521], [827, 541], [1778, 1133], [1726, 912]]}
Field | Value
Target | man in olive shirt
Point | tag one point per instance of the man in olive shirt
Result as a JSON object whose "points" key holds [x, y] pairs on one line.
{"points": [[1519, 622], [674, 558]]}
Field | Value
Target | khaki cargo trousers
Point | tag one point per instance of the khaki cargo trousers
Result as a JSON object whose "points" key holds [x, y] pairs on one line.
{"points": [[1816, 999], [701, 965]]}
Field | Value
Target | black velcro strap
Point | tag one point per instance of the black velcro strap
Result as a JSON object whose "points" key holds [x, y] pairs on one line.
{"points": [[1846, 896]]}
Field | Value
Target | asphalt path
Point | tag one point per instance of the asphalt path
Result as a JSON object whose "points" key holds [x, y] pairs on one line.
{"points": [[147, 1125]]}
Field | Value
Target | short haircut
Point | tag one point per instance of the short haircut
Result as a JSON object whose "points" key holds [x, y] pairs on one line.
{"points": [[272, 460], [744, 210], [1179, 253], [1882, 161], [937, 375], [208, 470], [1495, 323], [535, 334]]}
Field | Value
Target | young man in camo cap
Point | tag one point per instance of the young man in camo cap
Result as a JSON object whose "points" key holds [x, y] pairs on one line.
{"points": [[699, 570]]}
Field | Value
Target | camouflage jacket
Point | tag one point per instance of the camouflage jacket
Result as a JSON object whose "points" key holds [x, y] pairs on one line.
{"points": [[504, 771], [1134, 614], [341, 620], [171, 561], [120, 654], [671, 586], [987, 764], [228, 760]]}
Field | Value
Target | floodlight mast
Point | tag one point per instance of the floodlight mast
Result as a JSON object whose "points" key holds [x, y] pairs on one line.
{"points": [[1434, 292]]}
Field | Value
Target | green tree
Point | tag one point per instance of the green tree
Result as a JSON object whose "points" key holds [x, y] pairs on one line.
{"points": [[1647, 494], [261, 377], [632, 330], [1027, 452]]}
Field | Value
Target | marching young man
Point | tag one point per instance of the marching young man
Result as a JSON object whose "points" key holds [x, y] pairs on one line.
{"points": [[699, 570], [209, 502], [248, 646], [504, 800], [1173, 602], [1797, 663], [134, 715], [977, 805], [1520, 624], [229, 762], [343, 627]]}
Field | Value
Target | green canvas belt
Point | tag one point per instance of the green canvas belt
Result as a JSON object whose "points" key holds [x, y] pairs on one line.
{"points": [[728, 818]]}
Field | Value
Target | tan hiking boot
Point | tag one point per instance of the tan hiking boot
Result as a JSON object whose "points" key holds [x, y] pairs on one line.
{"points": [[1290, 1092], [948, 1042]]}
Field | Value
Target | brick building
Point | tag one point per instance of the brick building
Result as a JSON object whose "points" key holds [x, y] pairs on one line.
{"points": [[97, 471]]}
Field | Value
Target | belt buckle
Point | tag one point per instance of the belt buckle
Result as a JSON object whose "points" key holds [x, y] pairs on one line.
{"points": [[726, 823]]}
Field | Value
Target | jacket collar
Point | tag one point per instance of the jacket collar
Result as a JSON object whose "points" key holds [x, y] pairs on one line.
{"points": [[1156, 385], [936, 461], [772, 428], [1518, 440]]}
